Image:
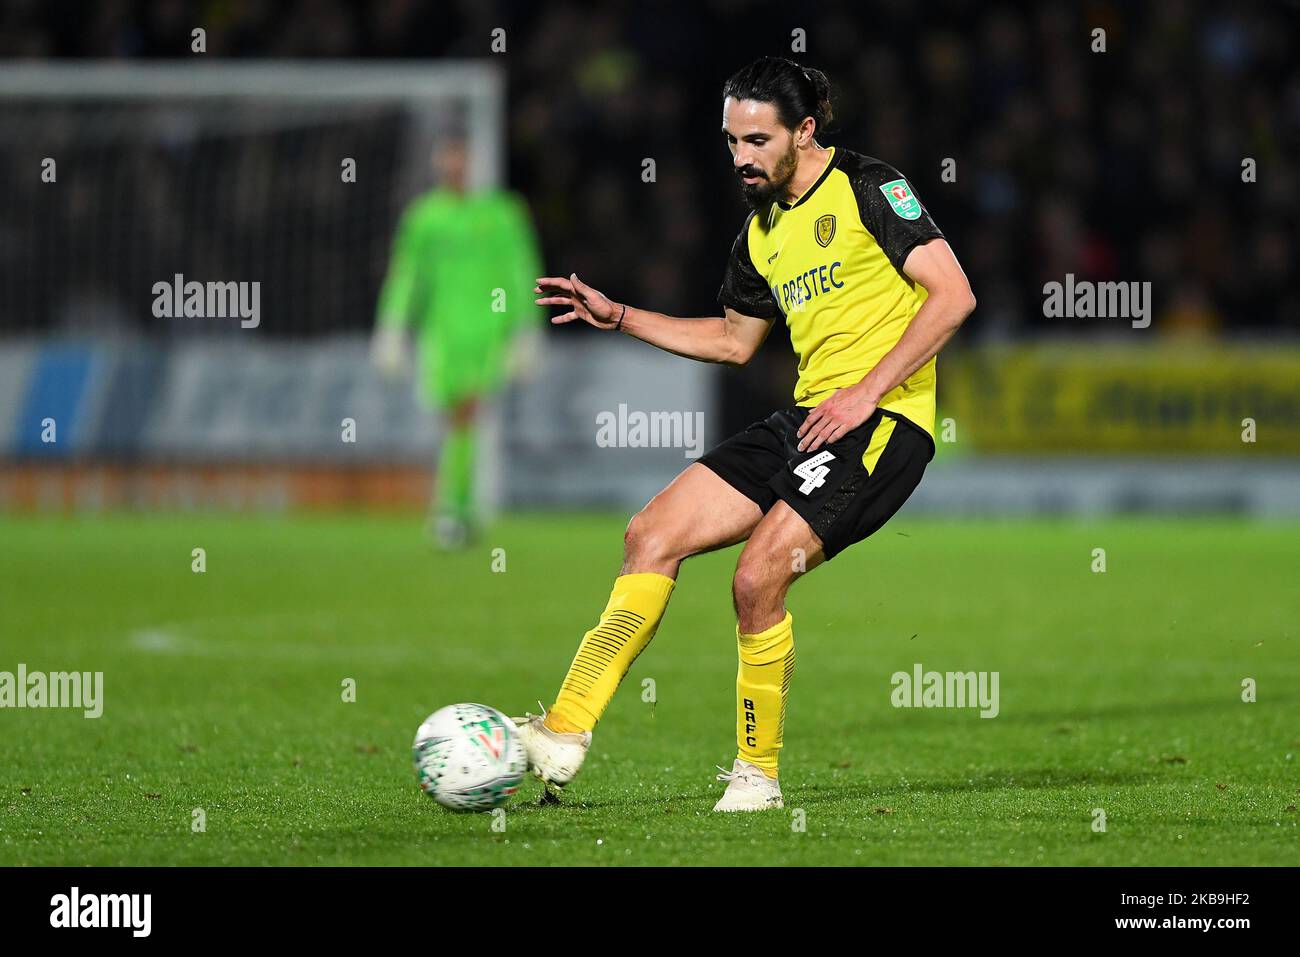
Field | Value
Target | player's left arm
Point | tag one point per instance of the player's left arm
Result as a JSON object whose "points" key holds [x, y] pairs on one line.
{"points": [[950, 301]]}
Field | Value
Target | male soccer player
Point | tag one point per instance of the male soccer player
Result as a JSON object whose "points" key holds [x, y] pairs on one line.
{"points": [[462, 266], [840, 245]]}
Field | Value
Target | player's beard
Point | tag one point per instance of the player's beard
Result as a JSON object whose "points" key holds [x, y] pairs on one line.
{"points": [[759, 195]]}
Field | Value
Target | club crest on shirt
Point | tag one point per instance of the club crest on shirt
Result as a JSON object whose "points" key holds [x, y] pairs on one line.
{"points": [[900, 197], [824, 230]]}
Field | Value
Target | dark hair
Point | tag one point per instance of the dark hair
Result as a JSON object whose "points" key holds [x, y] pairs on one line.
{"points": [[796, 91]]}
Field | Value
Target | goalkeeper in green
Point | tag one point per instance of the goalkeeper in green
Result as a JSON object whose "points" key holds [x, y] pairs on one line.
{"points": [[461, 276]]}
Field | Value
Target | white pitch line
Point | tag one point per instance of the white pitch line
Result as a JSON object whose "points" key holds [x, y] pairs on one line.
{"points": [[169, 639]]}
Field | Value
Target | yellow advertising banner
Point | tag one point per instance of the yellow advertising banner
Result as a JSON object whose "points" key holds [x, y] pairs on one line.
{"points": [[1219, 399]]}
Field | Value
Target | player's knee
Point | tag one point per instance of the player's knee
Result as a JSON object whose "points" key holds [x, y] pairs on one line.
{"points": [[754, 583], [647, 540]]}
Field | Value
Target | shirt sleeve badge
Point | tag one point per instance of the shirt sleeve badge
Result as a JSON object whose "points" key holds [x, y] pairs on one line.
{"points": [[901, 199]]}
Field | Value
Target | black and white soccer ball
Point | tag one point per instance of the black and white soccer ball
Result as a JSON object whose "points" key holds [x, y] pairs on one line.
{"points": [[469, 757]]}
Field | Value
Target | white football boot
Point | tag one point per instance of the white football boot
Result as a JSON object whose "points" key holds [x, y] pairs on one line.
{"points": [[553, 756], [748, 789], [449, 533]]}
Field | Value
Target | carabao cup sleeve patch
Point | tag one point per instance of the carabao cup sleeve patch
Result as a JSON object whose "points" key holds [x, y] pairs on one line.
{"points": [[889, 207]]}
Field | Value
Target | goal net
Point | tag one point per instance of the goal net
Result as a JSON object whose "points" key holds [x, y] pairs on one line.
{"points": [[120, 176]]}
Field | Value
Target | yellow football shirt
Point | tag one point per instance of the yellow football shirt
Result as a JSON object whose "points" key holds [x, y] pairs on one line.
{"points": [[832, 263]]}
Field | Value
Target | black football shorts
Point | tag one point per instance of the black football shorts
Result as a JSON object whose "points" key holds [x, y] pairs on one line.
{"points": [[845, 490]]}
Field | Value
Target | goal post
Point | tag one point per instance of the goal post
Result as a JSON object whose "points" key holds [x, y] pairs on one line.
{"points": [[480, 86]]}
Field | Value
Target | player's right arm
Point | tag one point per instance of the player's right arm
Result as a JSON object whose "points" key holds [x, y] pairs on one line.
{"points": [[747, 304], [398, 292], [397, 299], [731, 339]]}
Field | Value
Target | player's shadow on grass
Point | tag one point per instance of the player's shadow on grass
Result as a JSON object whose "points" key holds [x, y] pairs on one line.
{"points": [[1022, 779], [683, 802], [864, 788]]}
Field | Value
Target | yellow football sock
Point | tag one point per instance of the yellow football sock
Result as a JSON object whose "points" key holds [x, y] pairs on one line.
{"points": [[635, 608], [762, 683]]}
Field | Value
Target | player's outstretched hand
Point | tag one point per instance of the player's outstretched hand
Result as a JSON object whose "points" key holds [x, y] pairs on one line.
{"points": [[388, 352], [843, 412], [589, 305]]}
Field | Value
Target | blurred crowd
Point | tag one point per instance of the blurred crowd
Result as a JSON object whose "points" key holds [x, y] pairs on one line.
{"points": [[1125, 164]]}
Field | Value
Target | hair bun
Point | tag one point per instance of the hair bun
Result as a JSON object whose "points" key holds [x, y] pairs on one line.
{"points": [[821, 85], [797, 91]]}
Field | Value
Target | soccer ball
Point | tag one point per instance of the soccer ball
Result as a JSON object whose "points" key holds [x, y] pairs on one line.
{"points": [[468, 757]]}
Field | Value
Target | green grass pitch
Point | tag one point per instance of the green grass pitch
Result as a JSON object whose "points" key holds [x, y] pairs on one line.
{"points": [[223, 691]]}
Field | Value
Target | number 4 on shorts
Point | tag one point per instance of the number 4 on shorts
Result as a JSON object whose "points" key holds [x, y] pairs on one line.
{"points": [[813, 471]]}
